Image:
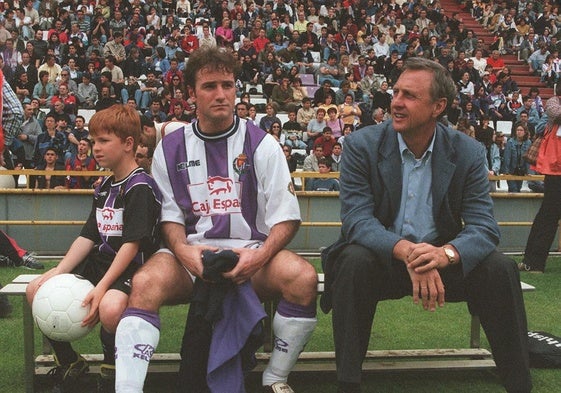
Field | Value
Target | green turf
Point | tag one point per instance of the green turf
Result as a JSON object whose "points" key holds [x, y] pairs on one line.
{"points": [[398, 325]]}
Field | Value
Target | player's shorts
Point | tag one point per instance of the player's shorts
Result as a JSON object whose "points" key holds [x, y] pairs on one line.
{"points": [[222, 244], [96, 264]]}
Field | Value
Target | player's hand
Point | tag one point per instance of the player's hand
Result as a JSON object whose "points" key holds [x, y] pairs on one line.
{"points": [[93, 298], [251, 260], [424, 257], [428, 287], [191, 257]]}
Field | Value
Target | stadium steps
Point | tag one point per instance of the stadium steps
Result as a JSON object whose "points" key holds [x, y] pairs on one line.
{"points": [[519, 68]]}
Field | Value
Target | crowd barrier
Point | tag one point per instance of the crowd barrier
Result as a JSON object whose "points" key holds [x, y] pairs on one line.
{"points": [[47, 221]]}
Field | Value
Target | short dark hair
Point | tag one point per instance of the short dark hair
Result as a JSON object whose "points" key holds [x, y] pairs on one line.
{"points": [[210, 59]]}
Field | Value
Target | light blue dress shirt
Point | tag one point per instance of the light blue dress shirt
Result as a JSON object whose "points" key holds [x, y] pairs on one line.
{"points": [[414, 220]]}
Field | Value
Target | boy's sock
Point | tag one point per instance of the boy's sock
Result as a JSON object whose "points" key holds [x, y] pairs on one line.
{"points": [[136, 339], [63, 351], [108, 345], [292, 326]]}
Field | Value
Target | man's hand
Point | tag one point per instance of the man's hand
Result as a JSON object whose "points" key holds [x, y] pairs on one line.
{"points": [[251, 260], [423, 257], [428, 287], [190, 256]]}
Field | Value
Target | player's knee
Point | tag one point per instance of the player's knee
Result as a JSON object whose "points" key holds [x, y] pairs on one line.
{"points": [[304, 284]]}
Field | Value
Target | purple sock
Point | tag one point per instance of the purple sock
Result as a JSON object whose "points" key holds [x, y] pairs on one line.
{"points": [[288, 309], [149, 316]]}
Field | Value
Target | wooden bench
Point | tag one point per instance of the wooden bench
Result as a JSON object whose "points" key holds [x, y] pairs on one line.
{"points": [[474, 357]]}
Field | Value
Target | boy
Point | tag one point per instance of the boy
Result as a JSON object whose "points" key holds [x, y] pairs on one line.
{"points": [[113, 243]]}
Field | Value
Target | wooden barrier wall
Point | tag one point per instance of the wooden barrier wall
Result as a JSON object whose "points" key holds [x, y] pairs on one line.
{"points": [[47, 221]]}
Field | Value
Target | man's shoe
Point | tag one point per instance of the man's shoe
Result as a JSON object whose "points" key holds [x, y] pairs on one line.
{"points": [[278, 387], [528, 269], [106, 380], [29, 262], [67, 376]]}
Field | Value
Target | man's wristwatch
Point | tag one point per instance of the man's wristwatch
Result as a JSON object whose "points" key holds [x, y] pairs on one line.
{"points": [[450, 254]]}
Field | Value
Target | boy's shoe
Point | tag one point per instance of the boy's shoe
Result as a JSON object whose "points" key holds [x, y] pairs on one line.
{"points": [[67, 376], [29, 262], [278, 387], [5, 306], [527, 268], [106, 379]]}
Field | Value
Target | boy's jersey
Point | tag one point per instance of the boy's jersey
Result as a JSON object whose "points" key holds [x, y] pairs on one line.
{"points": [[123, 212], [232, 186]]}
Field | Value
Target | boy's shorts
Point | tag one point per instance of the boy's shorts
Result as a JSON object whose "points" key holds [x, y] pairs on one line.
{"points": [[94, 267]]}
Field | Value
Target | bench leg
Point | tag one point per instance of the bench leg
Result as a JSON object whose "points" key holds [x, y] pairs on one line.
{"points": [[475, 337], [29, 348]]}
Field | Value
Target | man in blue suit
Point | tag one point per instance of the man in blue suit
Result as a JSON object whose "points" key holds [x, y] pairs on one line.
{"points": [[418, 220]]}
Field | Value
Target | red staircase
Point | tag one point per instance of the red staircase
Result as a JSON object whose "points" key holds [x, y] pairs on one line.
{"points": [[519, 68]]}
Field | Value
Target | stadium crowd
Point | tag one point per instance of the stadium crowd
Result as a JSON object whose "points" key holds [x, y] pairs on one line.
{"points": [[329, 65]]}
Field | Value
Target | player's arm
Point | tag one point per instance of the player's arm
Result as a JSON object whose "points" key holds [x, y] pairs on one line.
{"points": [[188, 255]]}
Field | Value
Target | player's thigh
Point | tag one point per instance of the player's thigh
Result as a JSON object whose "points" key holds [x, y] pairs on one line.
{"points": [[289, 276], [163, 280]]}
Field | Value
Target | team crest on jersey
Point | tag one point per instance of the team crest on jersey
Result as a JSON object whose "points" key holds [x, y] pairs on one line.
{"points": [[240, 164]]}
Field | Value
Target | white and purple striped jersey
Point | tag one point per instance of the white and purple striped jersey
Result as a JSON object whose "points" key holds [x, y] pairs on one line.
{"points": [[228, 189]]}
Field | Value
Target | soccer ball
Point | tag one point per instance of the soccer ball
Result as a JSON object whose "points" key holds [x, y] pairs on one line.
{"points": [[57, 307]]}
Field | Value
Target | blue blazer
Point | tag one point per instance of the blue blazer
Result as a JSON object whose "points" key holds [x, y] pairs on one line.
{"points": [[371, 182]]}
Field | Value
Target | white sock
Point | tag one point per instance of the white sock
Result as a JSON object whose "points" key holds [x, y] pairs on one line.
{"points": [[291, 335], [135, 342]]}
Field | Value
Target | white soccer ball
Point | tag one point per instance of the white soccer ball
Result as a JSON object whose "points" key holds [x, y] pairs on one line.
{"points": [[57, 307]]}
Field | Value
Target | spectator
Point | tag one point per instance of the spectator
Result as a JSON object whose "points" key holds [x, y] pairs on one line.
{"points": [[155, 112], [147, 91], [78, 133], [311, 162], [105, 99], [514, 164], [277, 132], [115, 48], [306, 113], [327, 104], [335, 123], [50, 138], [335, 157], [329, 71], [293, 131], [143, 157], [349, 111], [270, 117], [53, 70], [50, 163], [532, 113], [546, 221], [536, 59], [326, 141], [30, 130], [282, 96], [322, 184], [87, 92], [23, 87], [81, 161]]}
